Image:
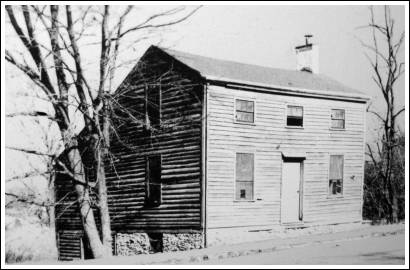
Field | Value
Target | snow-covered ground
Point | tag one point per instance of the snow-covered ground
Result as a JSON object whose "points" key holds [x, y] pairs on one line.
{"points": [[363, 244], [379, 250]]}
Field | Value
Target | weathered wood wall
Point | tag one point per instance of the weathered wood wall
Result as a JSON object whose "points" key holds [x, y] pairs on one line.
{"points": [[69, 246], [67, 212], [178, 141], [267, 138]]}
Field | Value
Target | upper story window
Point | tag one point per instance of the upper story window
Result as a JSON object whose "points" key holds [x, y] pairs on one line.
{"points": [[152, 106], [336, 175], [338, 119], [244, 111], [294, 116], [244, 176]]}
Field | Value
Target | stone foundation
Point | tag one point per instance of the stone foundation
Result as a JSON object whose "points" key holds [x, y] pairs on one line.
{"points": [[142, 243], [182, 241], [132, 243]]}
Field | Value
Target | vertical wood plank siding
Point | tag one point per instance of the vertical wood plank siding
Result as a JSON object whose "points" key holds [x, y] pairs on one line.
{"points": [[267, 139]]}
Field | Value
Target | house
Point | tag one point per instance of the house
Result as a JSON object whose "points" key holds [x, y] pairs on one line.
{"points": [[208, 150]]}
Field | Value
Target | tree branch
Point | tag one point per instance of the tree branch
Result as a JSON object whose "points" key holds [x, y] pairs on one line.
{"points": [[31, 45], [58, 65], [28, 200], [30, 151], [145, 24], [34, 114]]}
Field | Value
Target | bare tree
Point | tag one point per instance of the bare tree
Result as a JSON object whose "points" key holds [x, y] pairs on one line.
{"points": [[59, 71], [387, 69]]}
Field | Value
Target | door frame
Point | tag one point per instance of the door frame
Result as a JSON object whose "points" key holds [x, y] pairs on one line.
{"points": [[299, 160]]}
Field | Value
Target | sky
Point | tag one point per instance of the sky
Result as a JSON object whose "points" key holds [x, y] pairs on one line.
{"points": [[261, 35]]}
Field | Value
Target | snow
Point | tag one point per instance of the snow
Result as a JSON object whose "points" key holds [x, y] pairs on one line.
{"points": [[370, 251], [386, 244]]}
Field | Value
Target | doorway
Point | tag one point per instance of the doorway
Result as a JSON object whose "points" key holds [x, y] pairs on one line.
{"points": [[291, 193]]}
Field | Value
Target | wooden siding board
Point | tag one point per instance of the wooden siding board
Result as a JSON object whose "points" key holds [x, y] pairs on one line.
{"points": [[267, 138], [178, 141]]}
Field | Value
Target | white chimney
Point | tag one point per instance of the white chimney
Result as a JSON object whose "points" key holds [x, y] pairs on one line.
{"points": [[307, 56]]}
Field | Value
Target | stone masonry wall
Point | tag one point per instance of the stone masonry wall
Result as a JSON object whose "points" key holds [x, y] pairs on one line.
{"points": [[140, 243], [182, 241], [132, 243]]}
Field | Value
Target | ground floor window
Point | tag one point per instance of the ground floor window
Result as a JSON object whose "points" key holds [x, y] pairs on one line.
{"points": [[244, 176], [153, 181], [336, 175]]}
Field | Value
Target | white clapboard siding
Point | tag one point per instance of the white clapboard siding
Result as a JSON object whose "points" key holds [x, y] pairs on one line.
{"points": [[267, 138]]}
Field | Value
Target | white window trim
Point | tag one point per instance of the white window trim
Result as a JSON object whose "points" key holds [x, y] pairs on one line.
{"points": [[330, 119], [254, 110], [286, 116]]}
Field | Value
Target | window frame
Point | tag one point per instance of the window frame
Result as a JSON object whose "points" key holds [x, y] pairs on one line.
{"points": [[147, 89], [340, 195], [286, 116], [253, 177], [331, 119], [235, 110], [148, 201]]}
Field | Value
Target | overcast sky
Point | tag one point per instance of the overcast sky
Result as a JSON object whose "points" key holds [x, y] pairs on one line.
{"points": [[267, 35]]}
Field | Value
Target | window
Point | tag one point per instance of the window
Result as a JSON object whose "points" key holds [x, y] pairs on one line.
{"points": [[152, 106], [244, 176], [153, 181], [338, 118], [294, 116], [245, 111], [336, 175]]}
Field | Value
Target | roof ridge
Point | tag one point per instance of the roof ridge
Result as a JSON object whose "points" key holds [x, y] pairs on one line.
{"points": [[228, 70], [231, 61]]}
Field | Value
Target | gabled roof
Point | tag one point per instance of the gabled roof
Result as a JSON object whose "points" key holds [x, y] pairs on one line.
{"points": [[235, 72]]}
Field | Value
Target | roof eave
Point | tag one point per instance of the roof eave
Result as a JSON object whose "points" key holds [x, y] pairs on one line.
{"points": [[248, 85]]}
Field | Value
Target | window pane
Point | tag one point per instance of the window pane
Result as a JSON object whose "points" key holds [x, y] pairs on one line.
{"points": [[250, 106], [294, 121], [244, 117], [154, 169], [335, 187], [244, 105], [244, 190], [244, 167], [153, 96], [336, 123], [336, 167], [338, 114], [295, 111], [153, 181], [155, 193]]}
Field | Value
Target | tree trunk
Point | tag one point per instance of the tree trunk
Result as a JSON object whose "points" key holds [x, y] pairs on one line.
{"points": [[103, 206], [87, 216], [102, 186], [83, 198], [394, 207], [51, 211]]}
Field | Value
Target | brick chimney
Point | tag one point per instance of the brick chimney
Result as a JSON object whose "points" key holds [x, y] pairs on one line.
{"points": [[307, 56]]}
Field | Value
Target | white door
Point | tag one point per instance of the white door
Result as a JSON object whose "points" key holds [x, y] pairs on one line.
{"points": [[290, 192]]}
